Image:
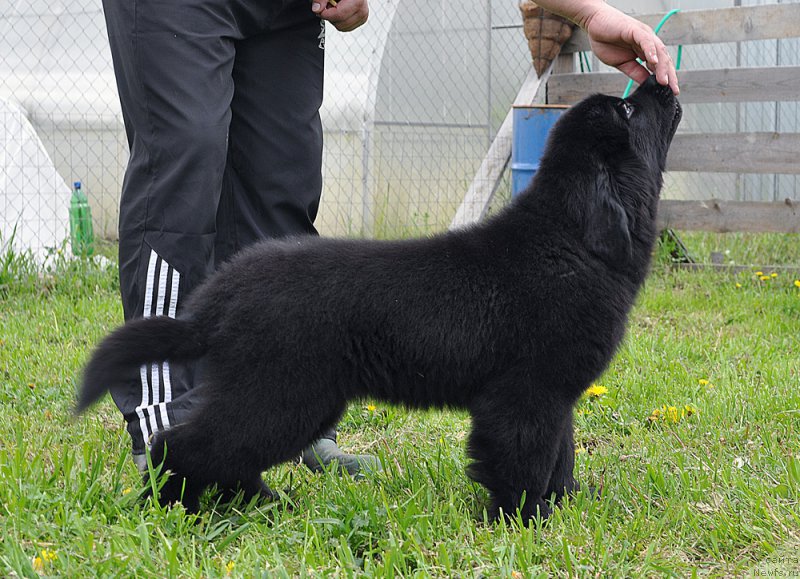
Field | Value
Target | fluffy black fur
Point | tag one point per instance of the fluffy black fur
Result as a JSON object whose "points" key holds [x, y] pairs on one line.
{"points": [[511, 319]]}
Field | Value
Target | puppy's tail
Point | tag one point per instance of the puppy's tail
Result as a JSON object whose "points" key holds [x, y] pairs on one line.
{"points": [[140, 341]]}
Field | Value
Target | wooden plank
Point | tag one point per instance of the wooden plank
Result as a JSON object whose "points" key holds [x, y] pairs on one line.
{"points": [[726, 216], [564, 64], [777, 83], [736, 24], [736, 153], [484, 184]]}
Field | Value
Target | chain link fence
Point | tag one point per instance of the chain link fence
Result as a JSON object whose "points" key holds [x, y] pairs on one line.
{"points": [[437, 83], [413, 100]]}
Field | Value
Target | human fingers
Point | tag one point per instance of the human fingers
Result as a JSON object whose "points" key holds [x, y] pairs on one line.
{"points": [[657, 59], [634, 70], [345, 15]]}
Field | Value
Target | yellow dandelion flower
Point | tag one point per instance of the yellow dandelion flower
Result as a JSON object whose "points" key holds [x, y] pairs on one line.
{"points": [[126, 491], [797, 283], [764, 277], [42, 560], [703, 382], [229, 566], [759, 273], [371, 407], [773, 274], [672, 414], [596, 391], [738, 285]]}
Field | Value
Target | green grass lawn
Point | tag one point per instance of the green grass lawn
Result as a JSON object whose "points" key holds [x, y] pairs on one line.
{"points": [[693, 437]]}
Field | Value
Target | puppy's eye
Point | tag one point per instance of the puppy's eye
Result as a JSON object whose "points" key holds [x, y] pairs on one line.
{"points": [[625, 109]]}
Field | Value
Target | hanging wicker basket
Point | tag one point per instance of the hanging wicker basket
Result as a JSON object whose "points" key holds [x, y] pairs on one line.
{"points": [[546, 33]]}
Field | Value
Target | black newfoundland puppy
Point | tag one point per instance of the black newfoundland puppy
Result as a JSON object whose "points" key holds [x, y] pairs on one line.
{"points": [[511, 319]]}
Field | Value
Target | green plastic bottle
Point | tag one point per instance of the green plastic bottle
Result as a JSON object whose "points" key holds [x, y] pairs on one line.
{"points": [[81, 230]]}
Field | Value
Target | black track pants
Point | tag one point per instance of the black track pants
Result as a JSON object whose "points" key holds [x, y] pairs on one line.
{"points": [[220, 100]]}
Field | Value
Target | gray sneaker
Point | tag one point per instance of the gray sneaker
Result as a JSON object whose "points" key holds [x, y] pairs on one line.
{"points": [[140, 460], [323, 453], [316, 457]]}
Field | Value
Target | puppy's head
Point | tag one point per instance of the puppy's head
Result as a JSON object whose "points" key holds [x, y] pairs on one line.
{"points": [[608, 153], [652, 115]]}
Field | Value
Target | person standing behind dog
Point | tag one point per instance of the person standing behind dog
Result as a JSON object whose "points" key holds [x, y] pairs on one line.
{"points": [[220, 100]]}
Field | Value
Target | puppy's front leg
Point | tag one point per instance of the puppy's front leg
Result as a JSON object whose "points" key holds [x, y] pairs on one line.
{"points": [[514, 444], [562, 479]]}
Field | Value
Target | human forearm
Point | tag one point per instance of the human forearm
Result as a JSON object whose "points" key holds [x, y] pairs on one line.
{"points": [[578, 11], [618, 39]]}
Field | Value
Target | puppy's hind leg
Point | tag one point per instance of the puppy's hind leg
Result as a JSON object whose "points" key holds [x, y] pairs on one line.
{"points": [[171, 454], [236, 442], [198, 454]]}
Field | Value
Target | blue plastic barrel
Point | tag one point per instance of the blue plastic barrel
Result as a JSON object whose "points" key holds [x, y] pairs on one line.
{"points": [[530, 126]]}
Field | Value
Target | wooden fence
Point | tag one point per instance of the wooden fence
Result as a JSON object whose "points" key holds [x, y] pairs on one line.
{"points": [[739, 152]]}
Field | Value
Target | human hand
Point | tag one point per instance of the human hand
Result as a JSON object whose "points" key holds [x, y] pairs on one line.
{"points": [[618, 39], [345, 15]]}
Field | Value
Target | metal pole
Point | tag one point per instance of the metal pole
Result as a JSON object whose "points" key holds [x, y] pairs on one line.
{"points": [[488, 72], [738, 182], [776, 177]]}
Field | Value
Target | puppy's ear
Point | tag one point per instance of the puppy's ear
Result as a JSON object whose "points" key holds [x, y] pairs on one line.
{"points": [[607, 232]]}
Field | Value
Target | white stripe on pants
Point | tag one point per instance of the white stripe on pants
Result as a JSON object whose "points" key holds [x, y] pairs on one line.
{"points": [[154, 396]]}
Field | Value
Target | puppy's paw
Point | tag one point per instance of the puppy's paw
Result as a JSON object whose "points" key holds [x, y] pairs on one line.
{"points": [[174, 490], [245, 492], [593, 492], [528, 512]]}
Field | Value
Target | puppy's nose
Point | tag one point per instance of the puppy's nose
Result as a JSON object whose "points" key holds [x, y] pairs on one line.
{"points": [[661, 92]]}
